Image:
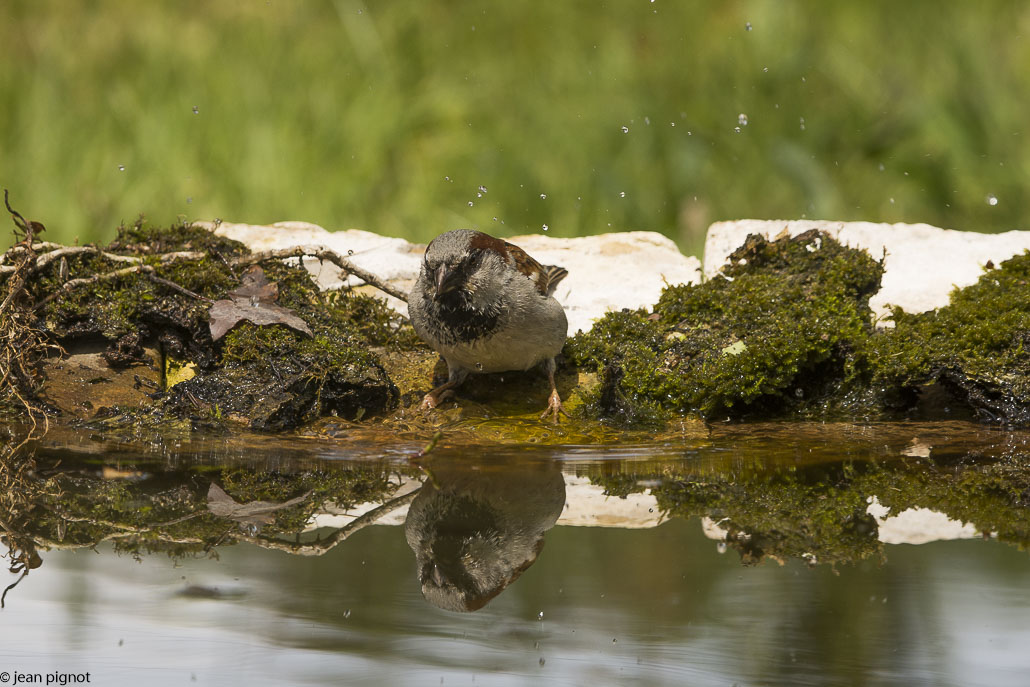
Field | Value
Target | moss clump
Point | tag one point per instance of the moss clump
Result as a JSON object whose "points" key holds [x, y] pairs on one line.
{"points": [[275, 378], [977, 347], [269, 377], [776, 332]]}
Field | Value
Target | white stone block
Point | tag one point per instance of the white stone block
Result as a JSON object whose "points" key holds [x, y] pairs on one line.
{"points": [[923, 264]]}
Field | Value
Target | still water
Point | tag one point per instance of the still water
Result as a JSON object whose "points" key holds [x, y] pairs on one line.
{"points": [[755, 555]]}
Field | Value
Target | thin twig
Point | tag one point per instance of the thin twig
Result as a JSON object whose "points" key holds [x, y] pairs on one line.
{"points": [[46, 258], [322, 546], [145, 269], [324, 254]]}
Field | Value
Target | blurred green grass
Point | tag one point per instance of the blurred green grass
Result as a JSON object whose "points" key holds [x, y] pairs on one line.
{"points": [[389, 116]]}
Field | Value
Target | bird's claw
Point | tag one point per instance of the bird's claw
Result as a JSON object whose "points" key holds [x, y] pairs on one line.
{"points": [[433, 398], [554, 407]]}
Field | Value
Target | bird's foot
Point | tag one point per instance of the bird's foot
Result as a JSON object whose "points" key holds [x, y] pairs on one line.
{"points": [[435, 397], [554, 407]]}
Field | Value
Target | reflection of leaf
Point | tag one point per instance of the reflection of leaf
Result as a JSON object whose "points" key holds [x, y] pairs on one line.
{"points": [[253, 512], [253, 301]]}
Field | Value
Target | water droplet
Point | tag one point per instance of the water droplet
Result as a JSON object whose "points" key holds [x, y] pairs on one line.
{"points": [[992, 199], [479, 195], [542, 661], [625, 129], [747, 26], [346, 614], [121, 168], [802, 123], [448, 179], [350, 251], [690, 133], [540, 615], [765, 69], [546, 227], [196, 110], [737, 129], [881, 167], [471, 203], [622, 194], [721, 547], [482, 189], [614, 640], [543, 196], [495, 219], [479, 366], [892, 201], [742, 119], [647, 121], [189, 199], [672, 123]]}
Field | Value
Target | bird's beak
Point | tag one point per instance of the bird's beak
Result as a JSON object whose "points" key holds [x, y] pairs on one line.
{"points": [[446, 281]]}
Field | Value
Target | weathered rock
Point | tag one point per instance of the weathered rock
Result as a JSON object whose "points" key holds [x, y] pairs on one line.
{"points": [[606, 272], [83, 381], [923, 263]]}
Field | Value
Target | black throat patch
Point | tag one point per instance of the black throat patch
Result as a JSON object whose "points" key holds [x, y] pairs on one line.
{"points": [[462, 324]]}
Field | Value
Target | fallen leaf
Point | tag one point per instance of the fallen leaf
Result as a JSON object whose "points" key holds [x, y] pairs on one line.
{"points": [[253, 301], [254, 512]]}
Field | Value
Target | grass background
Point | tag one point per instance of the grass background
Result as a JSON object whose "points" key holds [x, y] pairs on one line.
{"points": [[390, 116]]}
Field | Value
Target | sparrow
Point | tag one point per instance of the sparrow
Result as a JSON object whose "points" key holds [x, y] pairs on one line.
{"points": [[485, 306]]}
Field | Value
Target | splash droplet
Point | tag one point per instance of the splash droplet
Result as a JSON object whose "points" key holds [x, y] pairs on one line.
{"points": [[482, 189], [196, 110], [543, 196], [625, 129], [622, 194], [121, 168], [540, 615], [546, 227], [992, 199], [742, 119]]}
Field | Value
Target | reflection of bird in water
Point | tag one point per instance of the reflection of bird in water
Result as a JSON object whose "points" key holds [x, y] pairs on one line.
{"points": [[475, 531]]}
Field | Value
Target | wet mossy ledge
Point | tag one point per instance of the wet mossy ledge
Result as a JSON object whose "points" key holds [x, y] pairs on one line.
{"points": [[120, 338]]}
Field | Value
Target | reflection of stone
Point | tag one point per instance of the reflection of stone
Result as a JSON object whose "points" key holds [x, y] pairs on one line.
{"points": [[910, 526], [586, 504], [475, 531], [917, 525]]}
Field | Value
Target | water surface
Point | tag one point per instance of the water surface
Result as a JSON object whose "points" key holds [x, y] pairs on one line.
{"points": [[755, 555]]}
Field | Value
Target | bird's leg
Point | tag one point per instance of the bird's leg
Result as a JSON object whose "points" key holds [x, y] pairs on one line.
{"points": [[455, 376], [554, 406]]}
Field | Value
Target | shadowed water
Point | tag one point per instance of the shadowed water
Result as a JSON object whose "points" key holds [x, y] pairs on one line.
{"points": [[757, 554]]}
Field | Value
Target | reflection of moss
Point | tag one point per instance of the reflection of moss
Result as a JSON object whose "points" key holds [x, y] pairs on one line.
{"points": [[818, 513], [342, 488], [978, 346], [168, 511], [777, 331]]}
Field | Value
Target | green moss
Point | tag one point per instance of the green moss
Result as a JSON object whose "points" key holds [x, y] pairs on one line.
{"points": [[776, 332], [142, 238], [978, 346]]}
